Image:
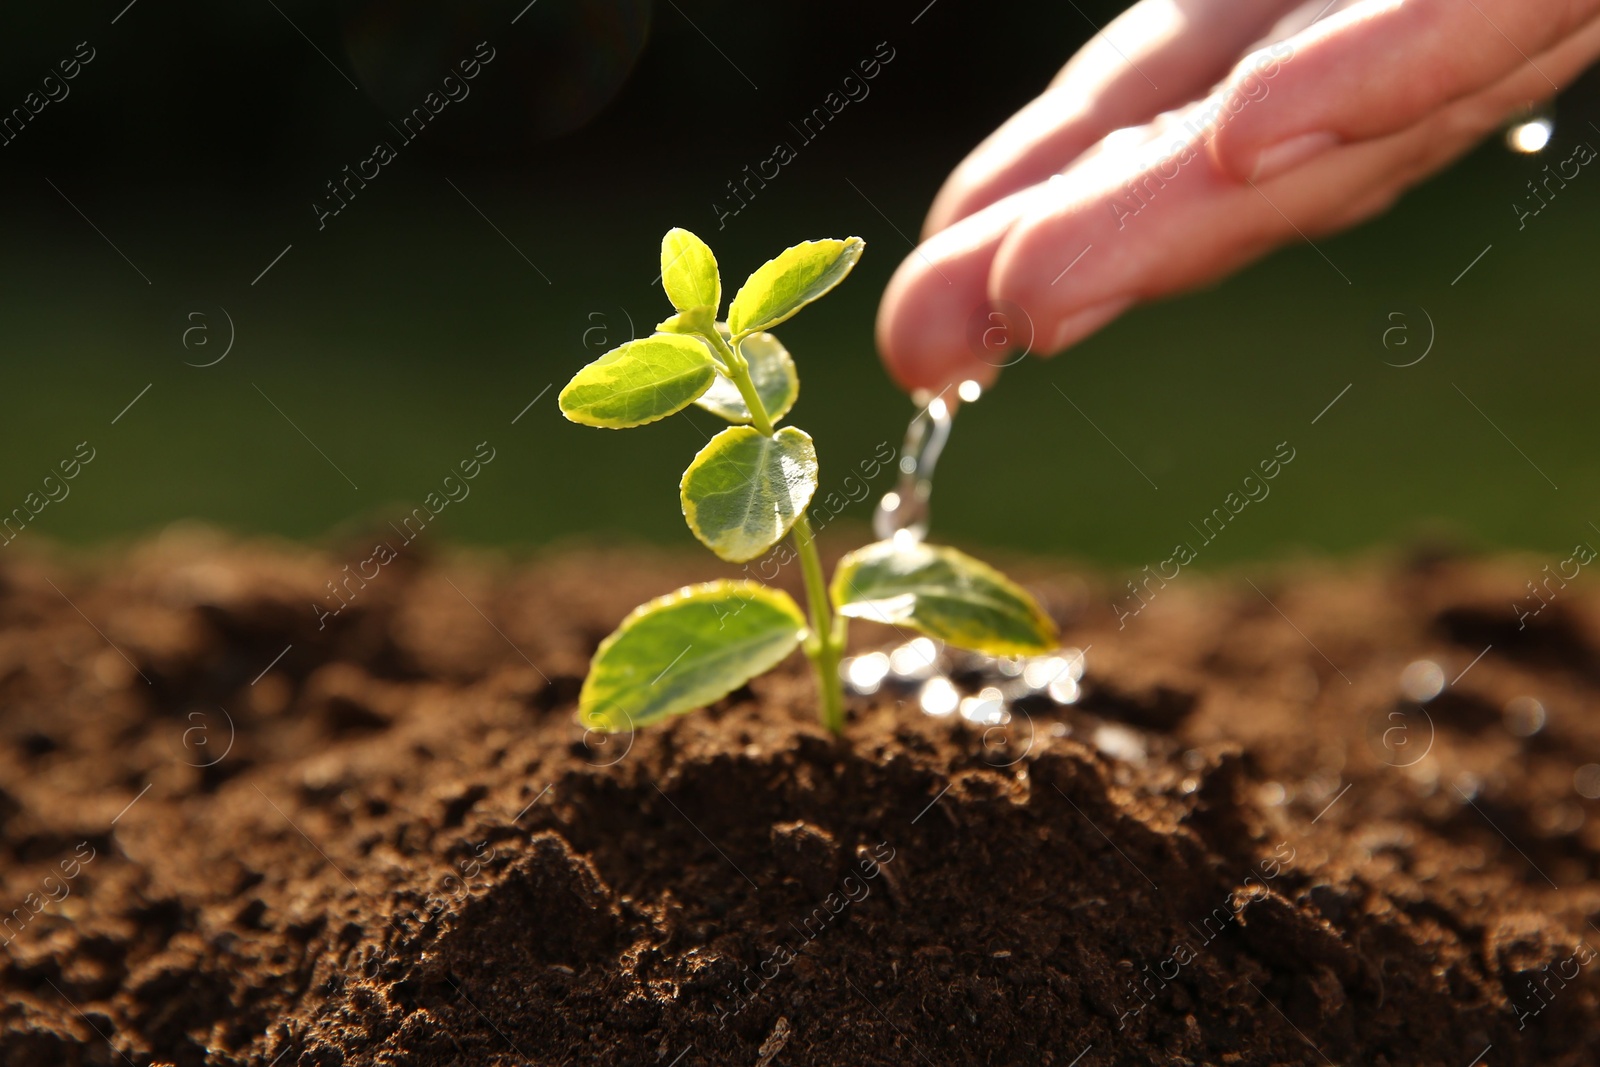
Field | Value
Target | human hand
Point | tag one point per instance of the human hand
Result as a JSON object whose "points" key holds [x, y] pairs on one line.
{"points": [[1138, 173]]}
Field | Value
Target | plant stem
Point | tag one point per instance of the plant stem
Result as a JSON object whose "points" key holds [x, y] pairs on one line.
{"points": [[825, 646], [739, 371]]}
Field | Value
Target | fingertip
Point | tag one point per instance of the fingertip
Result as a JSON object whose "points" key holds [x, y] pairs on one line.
{"points": [[1370, 70], [922, 326], [1046, 266], [1285, 155], [1034, 270], [1068, 264], [933, 326], [1244, 154], [1252, 111]]}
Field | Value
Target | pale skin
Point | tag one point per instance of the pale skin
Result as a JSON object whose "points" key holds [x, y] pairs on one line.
{"points": [[1192, 137]]}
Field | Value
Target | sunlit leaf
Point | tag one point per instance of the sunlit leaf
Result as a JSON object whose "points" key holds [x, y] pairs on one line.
{"points": [[684, 650], [943, 593], [771, 372], [680, 323], [744, 490], [689, 272], [783, 285], [639, 382]]}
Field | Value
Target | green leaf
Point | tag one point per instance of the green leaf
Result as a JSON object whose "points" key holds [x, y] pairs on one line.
{"points": [[943, 593], [782, 286], [696, 323], [689, 272], [690, 323], [744, 490], [639, 382], [686, 649], [771, 371]]}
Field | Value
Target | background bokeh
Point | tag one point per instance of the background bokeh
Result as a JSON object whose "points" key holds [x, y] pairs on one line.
{"points": [[516, 237]]}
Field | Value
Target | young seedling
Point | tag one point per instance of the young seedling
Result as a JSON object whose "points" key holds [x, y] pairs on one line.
{"points": [[747, 490]]}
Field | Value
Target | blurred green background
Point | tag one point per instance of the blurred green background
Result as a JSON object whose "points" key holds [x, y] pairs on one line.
{"points": [[516, 238]]}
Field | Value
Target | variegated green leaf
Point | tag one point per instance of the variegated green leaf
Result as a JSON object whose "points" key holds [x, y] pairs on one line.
{"points": [[684, 650], [943, 593], [744, 490], [639, 382], [794, 278], [771, 372], [689, 272]]}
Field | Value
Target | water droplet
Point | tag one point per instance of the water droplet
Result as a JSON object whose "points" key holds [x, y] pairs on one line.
{"points": [[1009, 666], [969, 390], [988, 708], [1064, 690], [865, 674], [1119, 742], [1189, 785], [938, 697], [1040, 671], [1271, 794], [1530, 136], [1586, 780], [904, 509], [1422, 680], [1524, 716], [914, 661]]}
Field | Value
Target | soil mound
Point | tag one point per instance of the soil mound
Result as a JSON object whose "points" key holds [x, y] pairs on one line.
{"points": [[1339, 815]]}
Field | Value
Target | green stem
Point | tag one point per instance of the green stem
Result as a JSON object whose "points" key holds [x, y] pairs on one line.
{"points": [[739, 372], [825, 646]]}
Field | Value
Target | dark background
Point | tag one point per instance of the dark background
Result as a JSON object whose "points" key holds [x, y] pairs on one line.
{"points": [[516, 238]]}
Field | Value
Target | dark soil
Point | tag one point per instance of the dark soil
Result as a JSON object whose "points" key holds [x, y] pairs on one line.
{"points": [[1243, 846]]}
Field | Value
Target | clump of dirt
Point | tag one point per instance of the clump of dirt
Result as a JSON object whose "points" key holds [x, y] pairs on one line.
{"points": [[231, 837]]}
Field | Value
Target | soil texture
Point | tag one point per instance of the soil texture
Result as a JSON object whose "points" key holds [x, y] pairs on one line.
{"points": [[1318, 815]]}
